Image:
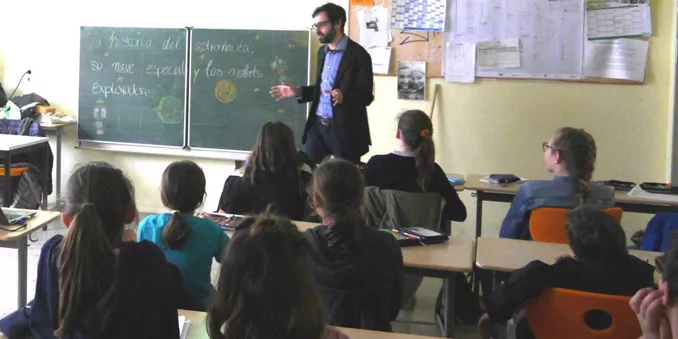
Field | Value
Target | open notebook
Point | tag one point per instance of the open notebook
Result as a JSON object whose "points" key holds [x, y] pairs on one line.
{"points": [[183, 326]]}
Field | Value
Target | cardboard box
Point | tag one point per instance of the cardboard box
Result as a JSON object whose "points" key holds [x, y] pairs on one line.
{"points": [[44, 109]]}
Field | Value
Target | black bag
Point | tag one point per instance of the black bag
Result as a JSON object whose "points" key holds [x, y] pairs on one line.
{"points": [[3, 97], [26, 188], [27, 104]]}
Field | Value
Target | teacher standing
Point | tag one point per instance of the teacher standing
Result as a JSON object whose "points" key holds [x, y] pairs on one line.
{"points": [[337, 123]]}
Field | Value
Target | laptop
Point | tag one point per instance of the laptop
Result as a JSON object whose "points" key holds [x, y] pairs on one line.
{"points": [[13, 217]]}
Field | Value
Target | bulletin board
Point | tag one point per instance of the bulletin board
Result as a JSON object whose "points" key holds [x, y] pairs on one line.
{"points": [[407, 45], [420, 45]]}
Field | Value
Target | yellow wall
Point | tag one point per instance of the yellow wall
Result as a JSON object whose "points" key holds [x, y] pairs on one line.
{"points": [[491, 126]]}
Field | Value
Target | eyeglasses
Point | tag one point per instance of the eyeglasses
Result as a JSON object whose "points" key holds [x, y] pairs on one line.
{"points": [[545, 146], [320, 24]]}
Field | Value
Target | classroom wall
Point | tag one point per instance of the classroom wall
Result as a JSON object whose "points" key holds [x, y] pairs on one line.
{"points": [[491, 126]]}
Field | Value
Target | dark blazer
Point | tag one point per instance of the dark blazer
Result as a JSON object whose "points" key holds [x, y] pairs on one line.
{"points": [[354, 80]]}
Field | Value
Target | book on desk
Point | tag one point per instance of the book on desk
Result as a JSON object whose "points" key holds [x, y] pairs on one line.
{"points": [[416, 236]]}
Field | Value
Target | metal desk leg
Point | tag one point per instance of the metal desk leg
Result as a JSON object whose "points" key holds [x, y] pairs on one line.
{"points": [[58, 164], [22, 246], [479, 214], [7, 198], [479, 231], [45, 176], [448, 304]]}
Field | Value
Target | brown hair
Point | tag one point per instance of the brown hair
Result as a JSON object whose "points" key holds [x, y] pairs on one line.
{"points": [[183, 190], [265, 288], [416, 131], [274, 153], [595, 234], [99, 198], [577, 150]]}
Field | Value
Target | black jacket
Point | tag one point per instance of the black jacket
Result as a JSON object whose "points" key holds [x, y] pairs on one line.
{"points": [[624, 276], [287, 196], [355, 81], [365, 293]]}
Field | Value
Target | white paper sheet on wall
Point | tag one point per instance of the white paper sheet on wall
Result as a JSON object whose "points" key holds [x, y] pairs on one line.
{"points": [[460, 62], [381, 59], [616, 59], [618, 22], [419, 14], [551, 34], [498, 54], [375, 26]]}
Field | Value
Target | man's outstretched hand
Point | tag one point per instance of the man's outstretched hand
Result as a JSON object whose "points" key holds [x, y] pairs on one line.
{"points": [[284, 91]]}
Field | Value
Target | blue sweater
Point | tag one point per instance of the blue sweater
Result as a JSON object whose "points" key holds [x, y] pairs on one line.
{"points": [[194, 260], [144, 289]]}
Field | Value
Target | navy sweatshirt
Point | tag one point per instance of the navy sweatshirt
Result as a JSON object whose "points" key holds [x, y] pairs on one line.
{"points": [[144, 288]]}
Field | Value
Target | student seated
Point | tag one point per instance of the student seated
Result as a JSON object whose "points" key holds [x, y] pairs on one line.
{"points": [[187, 241], [412, 167], [657, 309], [570, 154], [601, 264], [358, 270], [90, 283], [265, 288], [273, 176]]}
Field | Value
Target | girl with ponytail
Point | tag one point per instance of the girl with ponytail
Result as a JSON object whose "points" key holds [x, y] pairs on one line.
{"points": [[357, 269], [412, 167], [187, 241], [570, 154], [92, 284]]}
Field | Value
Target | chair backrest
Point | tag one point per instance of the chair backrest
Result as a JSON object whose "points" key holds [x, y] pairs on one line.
{"points": [[386, 208], [547, 224], [562, 313]]}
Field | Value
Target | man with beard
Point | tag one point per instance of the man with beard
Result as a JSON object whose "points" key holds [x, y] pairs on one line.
{"points": [[337, 123]]}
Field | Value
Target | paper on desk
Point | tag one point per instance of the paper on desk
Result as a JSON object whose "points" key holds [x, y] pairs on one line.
{"points": [[498, 54], [638, 192], [460, 62], [381, 59], [618, 22], [616, 59], [375, 26]]}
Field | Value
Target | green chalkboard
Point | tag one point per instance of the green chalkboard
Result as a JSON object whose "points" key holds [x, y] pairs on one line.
{"points": [[232, 72], [132, 85]]}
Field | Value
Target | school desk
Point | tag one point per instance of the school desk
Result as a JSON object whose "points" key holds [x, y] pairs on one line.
{"points": [[439, 261], [16, 237], [507, 255], [56, 129], [11, 145], [198, 330], [492, 192]]}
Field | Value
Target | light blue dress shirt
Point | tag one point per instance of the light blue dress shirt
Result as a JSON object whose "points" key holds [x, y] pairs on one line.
{"points": [[329, 74]]}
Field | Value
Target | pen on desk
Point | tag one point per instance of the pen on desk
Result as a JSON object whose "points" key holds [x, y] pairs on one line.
{"points": [[411, 236], [405, 234]]}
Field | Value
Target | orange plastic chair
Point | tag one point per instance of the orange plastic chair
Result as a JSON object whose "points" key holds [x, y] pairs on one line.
{"points": [[547, 224], [14, 171], [562, 314]]}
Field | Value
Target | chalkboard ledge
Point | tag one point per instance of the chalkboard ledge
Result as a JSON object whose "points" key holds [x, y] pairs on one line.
{"points": [[163, 150]]}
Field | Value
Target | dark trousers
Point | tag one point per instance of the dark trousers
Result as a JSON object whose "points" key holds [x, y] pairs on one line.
{"points": [[321, 143]]}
